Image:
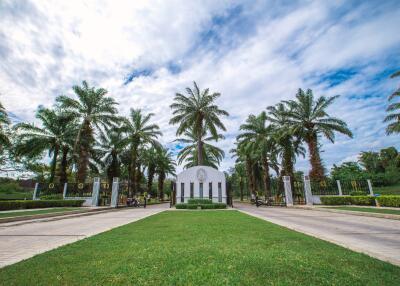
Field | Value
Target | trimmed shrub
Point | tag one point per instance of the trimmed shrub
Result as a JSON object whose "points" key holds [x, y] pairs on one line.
{"points": [[52, 197], [335, 200], [219, 206], [30, 204], [389, 201], [207, 206], [357, 193], [181, 206], [199, 201], [192, 206], [362, 200]]}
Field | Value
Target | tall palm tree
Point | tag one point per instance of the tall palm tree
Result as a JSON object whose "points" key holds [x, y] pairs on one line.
{"points": [[393, 118], [240, 173], [212, 155], [288, 145], [112, 148], [258, 134], [244, 154], [52, 136], [139, 133], [150, 158], [309, 119], [93, 110], [165, 166], [197, 111]]}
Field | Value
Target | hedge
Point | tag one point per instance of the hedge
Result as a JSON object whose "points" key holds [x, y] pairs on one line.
{"points": [[389, 201], [30, 204], [199, 201], [348, 200], [202, 206]]}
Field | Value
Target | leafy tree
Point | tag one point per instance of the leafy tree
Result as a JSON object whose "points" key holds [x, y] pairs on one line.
{"points": [[139, 133], [309, 119], [371, 161], [198, 113], [165, 166], [393, 118], [54, 134], [348, 171], [150, 158], [4, 124], [94, 111], [212, 155]]}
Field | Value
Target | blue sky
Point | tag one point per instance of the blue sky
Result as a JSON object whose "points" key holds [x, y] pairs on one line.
{"points": [[255, 53]]}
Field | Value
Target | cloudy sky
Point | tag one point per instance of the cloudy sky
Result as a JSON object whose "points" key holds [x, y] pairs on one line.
{"points": [[255, 53]]}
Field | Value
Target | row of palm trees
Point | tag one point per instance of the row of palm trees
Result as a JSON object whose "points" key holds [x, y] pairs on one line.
{"points": [[274, 138], [88, 133], [393, 110]]}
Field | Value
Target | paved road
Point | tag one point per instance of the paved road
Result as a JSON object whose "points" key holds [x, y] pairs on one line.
{"points": [[377, 237], [18, 242]]}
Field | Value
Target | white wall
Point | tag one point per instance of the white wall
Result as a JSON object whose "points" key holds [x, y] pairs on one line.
{"points": [[191, 176]]}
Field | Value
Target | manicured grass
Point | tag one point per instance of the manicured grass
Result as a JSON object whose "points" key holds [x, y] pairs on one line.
{"points": [[390, 190], [370, 210], [4, 214], [13, 195], [201, 248]]}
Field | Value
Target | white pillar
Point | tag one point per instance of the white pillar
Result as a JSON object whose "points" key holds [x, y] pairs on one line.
{"points": [[65, 191], [35, 191], [307, 191], [288, 191], [371, 192], [96, 192], [339, 186], [114, 193]]}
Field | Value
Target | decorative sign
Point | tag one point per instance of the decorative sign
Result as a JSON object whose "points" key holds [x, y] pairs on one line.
{"points": [[201, 175]]}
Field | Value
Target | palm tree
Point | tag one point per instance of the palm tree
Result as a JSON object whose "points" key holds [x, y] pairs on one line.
{"points": [[93, 110], [288, 145], [212, 155], [394, 111], [112, 148], [244, 154], [52, 136], [308, 119], [150, 158], [139, 133], [198, 112], [257, 134], [241, 176], [165, 166]]}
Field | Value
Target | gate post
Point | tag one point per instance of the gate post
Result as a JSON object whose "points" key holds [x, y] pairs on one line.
{"points": [[371, 192], [288, 191], [307, 191], [96, 192], [339, 186], [65, 191], [35, 192], [114, 192]]}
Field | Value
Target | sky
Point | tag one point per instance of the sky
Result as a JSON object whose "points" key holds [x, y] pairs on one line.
{"points": [[255, 53]]}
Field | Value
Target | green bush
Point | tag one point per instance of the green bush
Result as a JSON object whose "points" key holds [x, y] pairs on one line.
{"points": [[357, 193], [52, 197], [181, 206], [199, 201], [29, 204], [207, 206], [389, 201], [335, 200], [219, 206], [363, 200], [192, 206], [10, 187]]}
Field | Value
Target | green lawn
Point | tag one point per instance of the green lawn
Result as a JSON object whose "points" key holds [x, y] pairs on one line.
{"points": [[4, 214], [370, 210], [13, 195], [390, 190], [201, 248]]}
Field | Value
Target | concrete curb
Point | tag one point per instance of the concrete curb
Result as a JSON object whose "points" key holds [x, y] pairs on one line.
{"points": [[367, 214]]}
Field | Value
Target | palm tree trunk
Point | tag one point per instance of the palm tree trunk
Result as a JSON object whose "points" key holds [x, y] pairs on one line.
{"points": [[287, 163], [199, 152], [161, 178], [86, 139], [54, 163], [150, 177], [317, 170], [64, 165], [267, 185], [250, 174], [241, 188], [133, 170]]}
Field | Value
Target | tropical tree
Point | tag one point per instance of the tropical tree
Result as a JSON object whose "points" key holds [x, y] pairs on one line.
{"points": [[212, 155], [197, 112], [54, 135], [244, 154], [240, 174], [150, 158], [93, 111], [165, 166], [257, 134], [112, 147], [4, 123], [393, 118], [287, 144], [309, 120], [139, 133]]}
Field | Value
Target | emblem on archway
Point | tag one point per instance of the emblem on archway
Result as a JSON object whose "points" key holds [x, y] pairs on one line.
{"points": [[201, 175]]}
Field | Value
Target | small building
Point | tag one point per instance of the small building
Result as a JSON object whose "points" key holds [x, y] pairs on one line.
{"points": [[201, 182]]}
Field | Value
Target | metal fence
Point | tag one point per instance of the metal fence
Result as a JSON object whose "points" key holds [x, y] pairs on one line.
{"points": [[49, 189], [324, 187], [79, 190], [350, 186]]}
